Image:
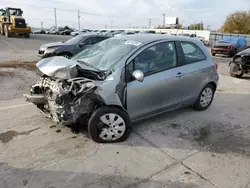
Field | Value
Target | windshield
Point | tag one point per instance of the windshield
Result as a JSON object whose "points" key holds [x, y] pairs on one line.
{"points": [[105, 55], [74, 40]]}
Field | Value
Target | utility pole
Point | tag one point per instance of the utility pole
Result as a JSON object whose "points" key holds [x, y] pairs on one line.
{"points": [[149, 23], [73, 25], [164, 19], [55, 18], [78, 18], [41, 24], [111, 24]]}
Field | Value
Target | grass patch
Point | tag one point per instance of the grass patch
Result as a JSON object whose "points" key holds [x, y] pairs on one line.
{"points": [[17, 64]]}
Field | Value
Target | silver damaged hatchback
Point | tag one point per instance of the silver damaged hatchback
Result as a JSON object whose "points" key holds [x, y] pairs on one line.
{"points": [[125, 79]]}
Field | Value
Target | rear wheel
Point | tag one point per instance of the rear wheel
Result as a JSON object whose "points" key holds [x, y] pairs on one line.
{"points": [[109, 125], [2, 29], [27, 35], [205, 98]]}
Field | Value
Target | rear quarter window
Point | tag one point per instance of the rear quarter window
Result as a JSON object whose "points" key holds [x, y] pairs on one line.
{"points": [[192, 53]]}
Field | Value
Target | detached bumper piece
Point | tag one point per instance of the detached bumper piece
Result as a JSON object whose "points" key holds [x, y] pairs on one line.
{"points": [[36, 99]]}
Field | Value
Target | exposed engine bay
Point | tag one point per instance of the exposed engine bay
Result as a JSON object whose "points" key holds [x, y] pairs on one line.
{"points": [[241, 63], [64, 101], [68, 91]]}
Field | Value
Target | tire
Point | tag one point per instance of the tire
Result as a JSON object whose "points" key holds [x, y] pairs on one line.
{"points": [[27, 35], [232, 66], [2, 30], [213, 54], [208, 100], [7, 32], [104, 133], [236, 75]]}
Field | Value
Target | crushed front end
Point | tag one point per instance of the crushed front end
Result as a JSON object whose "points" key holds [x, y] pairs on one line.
{"points": [[63, 100]]}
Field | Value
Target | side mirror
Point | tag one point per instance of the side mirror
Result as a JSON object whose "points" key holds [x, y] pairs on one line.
{"points": [[138, 75]]}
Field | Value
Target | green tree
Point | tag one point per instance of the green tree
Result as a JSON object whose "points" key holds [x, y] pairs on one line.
{"points": [[237, 22]]}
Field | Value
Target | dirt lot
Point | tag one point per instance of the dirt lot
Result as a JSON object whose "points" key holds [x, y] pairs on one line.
{"points": [[23, 49], [184, 148]]}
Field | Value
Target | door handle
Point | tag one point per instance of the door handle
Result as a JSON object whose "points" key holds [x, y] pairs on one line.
{"points": [[179, 75]]}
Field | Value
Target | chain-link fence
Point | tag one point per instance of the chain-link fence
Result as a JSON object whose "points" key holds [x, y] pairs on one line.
{"points": [[217, 36]]}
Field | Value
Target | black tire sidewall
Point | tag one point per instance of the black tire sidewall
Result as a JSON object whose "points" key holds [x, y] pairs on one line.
{"points": [[94, 119], [197, 105]]}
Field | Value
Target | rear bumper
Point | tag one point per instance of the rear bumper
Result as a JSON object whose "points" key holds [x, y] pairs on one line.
{"points": [[20, 30]]}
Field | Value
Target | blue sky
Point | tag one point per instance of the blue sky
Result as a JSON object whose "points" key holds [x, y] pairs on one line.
{"points": [[125, 12]]}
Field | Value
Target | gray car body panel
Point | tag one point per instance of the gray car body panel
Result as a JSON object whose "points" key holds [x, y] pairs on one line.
{"points": [[159, 92]]}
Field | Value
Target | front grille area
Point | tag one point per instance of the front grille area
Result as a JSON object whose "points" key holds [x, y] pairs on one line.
{"points": [[20, 23], [222, 47]]}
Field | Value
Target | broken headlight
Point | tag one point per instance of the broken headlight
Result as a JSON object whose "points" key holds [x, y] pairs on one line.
{"points": [[50, 50]]}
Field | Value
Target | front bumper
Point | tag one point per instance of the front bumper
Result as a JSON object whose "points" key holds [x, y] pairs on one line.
{"points": [[20, 30], [222, 51]]}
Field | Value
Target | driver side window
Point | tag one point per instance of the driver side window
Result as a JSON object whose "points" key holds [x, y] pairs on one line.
{"points": [[157, 58], [192, 53]]}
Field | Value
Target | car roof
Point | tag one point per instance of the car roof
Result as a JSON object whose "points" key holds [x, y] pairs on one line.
{"points": [[146, 38]]}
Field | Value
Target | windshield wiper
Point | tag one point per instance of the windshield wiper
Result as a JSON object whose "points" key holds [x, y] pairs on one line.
{"points": [[88, 65]]}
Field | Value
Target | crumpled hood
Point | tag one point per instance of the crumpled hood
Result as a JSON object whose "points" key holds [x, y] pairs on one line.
{"points": [[51, 66], [53, 44]]}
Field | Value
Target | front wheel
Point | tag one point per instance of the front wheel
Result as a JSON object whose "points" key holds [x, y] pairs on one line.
{"points": [[205, 98], [109, 125], [7, 32], [27, 35]]}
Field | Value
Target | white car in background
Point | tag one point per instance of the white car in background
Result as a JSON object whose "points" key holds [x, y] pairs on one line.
{"points": [[75, 33], [202, 39]]}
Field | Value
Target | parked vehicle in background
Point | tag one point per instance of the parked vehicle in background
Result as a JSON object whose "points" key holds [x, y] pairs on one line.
{"points": [[125, 79], [69, 47], [148, 32], [202, 39], [56, 32], [40, 31], [12, 22], [75, 33], [125, 33], [66, 32], [240, 64], [229, 46]]}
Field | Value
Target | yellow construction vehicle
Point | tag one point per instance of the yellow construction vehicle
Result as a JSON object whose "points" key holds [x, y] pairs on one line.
{"points": [[12, 22]]}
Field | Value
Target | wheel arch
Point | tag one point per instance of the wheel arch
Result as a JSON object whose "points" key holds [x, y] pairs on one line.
{"points": [[65, 53]]}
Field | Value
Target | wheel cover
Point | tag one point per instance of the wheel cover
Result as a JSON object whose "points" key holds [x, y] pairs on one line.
{"points": [[112, 127], [206, 97]]}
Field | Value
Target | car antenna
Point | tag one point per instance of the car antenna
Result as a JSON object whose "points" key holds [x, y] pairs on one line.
{"points": [[179, 28]]}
